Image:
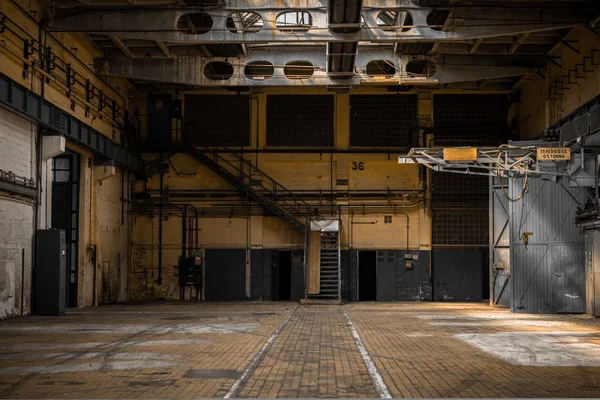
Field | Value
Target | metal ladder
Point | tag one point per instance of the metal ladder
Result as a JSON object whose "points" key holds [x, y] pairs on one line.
{"points": [[330, 279], [253, 183]]}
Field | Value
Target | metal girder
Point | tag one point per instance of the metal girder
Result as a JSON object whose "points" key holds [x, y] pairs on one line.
{"points": [[517, 42], [124, 49], [475, 46], [190, 70], [511, 161], [164, 48], [465, 24]]}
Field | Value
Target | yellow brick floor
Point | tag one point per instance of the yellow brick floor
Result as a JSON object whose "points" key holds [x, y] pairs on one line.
{"points": [[187, 350]]}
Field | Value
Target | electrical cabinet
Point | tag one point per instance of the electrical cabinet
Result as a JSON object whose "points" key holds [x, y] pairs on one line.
{"points": [[50, 272]]}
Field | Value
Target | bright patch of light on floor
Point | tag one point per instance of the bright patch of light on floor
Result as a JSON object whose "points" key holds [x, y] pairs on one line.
{"points": [[551, 349], [135, 328]]}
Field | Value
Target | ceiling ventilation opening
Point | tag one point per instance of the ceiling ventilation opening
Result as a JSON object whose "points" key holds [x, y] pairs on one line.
{"points": [[340, 58], [437, 19], [298, 70], [244, 22], [344, 15], [381, 68], [218, 70], [294, 21], [395, 20], [195, 23], [259, 70], [420, 69]]}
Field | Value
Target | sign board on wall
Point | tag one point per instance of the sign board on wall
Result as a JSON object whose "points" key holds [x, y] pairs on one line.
{"points": [[553, 153]]}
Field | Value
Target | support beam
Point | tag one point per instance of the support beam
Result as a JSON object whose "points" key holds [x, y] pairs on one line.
{"points": [[344, 16], [124, 49], [475, 46], [517, 42], [445, 27], [190, 70], [469, 24], [163, 47]]}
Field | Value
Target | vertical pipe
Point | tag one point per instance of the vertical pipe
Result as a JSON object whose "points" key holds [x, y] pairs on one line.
{"points": [[95, 283], [160, 229], [331, 180], [122, 196], [22, 279], [183, 231]]}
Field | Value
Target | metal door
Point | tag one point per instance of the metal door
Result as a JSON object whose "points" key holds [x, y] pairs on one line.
{"points": [[548, 268], [386, 276], [65, 214], [159, 118], [225, 274], [500, 284], [298, 283]]}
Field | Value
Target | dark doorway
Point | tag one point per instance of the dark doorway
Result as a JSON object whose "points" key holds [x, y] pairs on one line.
{"points": [[285, 275], [367, 276], [65, 214]]}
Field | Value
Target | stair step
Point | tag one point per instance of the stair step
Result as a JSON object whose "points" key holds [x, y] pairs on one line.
{"points": [[320, 301]]}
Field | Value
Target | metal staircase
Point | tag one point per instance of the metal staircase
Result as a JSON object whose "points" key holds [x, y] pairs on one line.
{"points": [[330, 274], [275, 198]]}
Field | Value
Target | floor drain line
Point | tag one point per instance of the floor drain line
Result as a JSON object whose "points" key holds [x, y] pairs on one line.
{"points": [[376, 378], [233, 391]]}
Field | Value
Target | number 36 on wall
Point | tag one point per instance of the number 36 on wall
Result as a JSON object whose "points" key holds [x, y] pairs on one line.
{"points": [[358, 165]]}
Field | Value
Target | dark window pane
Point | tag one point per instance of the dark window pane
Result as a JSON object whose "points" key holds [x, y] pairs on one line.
{"points": [[300, 121], [383, 120], [217, 119]]}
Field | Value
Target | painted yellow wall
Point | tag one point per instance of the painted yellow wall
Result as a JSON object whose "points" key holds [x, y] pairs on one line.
{"points": [[297, 171], [541, 105], [22, 23], [99, 201]]}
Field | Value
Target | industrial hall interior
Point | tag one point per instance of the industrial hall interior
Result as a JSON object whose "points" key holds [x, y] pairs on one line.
{"points": [[299, 199]]}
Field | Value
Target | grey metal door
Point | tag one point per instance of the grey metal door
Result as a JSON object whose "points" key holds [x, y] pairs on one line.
{"points": [[386, 276], [225, 274], [548, 269], [500, 284], [297, 290]]}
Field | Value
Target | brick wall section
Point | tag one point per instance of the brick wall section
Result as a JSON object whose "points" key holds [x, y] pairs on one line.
{"points": [[16, 216]]}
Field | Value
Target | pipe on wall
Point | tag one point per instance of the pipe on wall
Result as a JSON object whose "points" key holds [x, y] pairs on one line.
{"points": [[160, 230], [22, 280]]}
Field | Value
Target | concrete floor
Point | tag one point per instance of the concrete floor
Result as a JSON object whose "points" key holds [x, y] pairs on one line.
{"points": [[166, 350]]}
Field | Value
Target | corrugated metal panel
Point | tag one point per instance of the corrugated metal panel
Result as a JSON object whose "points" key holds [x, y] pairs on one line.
{"points": [[389, 120], [549, 272], [500, 245]]}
